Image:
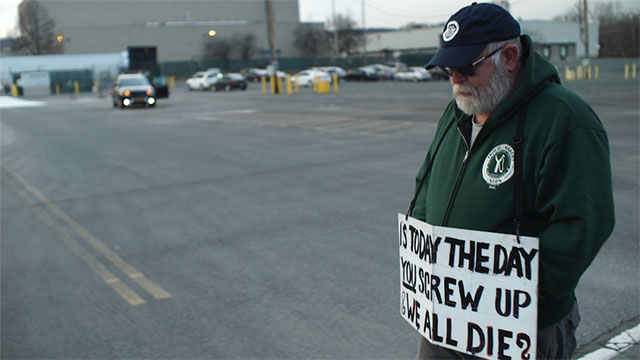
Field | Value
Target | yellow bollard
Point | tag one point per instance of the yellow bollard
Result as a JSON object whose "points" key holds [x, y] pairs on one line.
{"points": [[14, 90], [279, 84], [288, 80], [626, 71], [263, 81], [273, 84], [579, 72], [76, 87], [315, 84], [597, 71], [172, 82], [57, 89], [633, 71], [569, 74], [335, 83], [296, 85], [589, 72], [324, 87]]}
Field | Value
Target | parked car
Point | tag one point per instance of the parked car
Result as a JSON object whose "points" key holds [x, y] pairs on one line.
{"points": [[130, 89], [397, 66], [202, 80], [229, 82], [414, 73], [333, 70], [306, 77], [254, 74], [438, 74], [361, 74], [384, 72], [161, 86]]}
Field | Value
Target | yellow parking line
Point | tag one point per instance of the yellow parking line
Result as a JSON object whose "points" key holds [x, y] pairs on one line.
{"points": [[123, 290], [148, 285]]}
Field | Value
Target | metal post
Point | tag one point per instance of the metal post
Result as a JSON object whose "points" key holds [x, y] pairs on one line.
{"points": [[586, 29], [272, 43], [364, 38], [335, 30]]}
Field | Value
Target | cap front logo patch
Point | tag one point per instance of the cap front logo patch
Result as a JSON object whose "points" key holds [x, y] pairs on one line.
{"points": [[451, 31]]}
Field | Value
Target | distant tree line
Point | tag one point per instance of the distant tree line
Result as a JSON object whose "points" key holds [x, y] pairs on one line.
{"points": [[619, 30], [314, 41]]}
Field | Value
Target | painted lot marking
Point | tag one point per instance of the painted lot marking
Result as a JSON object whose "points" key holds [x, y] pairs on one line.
{"points": [[616, 345], [130, 296]]}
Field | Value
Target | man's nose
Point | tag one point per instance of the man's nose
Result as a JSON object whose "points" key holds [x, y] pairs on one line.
{"points": [[456, 77]]}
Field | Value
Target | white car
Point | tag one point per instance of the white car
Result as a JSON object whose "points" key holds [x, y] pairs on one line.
{"points": [[202, 80], [414, 73], [333, 70], [306, 77]]}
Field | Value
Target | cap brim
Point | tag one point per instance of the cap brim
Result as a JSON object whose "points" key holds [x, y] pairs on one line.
{"points": [[455, 56]]}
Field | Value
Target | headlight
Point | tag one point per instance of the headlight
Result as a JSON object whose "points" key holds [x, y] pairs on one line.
{"points": [[126, 102], [149, 92], [127, 93], [151, 101]]}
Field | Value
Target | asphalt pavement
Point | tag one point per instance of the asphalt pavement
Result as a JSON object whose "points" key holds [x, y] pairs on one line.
{"points": [[245, 225]]}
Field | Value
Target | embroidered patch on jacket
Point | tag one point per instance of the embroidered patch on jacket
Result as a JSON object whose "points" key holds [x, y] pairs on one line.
{"points": [[452, 30], [498, 166]]}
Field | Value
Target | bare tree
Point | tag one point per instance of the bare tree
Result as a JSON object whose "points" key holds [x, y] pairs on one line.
{"points": [[246, 45], [37, 30], [619, 29], [220, 49], [310, 40], [350, 39]]}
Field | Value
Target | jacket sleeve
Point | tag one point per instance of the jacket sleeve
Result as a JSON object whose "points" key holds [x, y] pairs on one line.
{"points": [[575, 195]]}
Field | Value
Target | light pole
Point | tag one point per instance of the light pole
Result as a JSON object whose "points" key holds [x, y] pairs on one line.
{"points": [[272, 43], [364, 38], [335, 30]]}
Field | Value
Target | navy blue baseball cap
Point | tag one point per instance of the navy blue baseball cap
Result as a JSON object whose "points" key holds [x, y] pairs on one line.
{"points": [[469, 30]]}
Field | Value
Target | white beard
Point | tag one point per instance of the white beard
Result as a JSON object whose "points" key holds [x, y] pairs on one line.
{"points": [[487, 100]]}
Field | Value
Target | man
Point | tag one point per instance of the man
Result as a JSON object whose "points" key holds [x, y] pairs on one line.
{"points": [[517, 153]]}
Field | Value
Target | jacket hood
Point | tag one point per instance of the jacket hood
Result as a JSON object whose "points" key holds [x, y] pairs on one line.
{"points": [[537, 73]]}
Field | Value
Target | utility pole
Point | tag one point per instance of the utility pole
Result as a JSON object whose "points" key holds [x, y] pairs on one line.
{"points": [[586, 29], [364, 38], [335, 31], [272, 44]]}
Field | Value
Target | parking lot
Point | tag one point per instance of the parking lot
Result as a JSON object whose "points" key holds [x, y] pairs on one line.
{"points": [[266, 223]]}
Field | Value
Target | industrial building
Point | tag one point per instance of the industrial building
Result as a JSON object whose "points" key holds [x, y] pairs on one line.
{"points": [[179, 29], [558, 41]]}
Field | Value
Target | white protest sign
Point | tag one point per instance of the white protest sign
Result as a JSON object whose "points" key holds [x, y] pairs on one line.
{"points": [[471, 291]]}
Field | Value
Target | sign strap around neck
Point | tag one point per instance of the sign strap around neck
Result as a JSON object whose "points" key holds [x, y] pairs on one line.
{"points": [[428, 170], [518, 191]]}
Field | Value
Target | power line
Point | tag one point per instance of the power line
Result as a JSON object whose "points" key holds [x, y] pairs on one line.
{"points": [[369, 3]]}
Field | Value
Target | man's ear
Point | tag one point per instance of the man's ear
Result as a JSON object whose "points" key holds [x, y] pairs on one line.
{"points": [[510, 57]]}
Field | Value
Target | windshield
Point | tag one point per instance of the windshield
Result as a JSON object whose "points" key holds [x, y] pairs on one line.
{"points": [[133, 81]]}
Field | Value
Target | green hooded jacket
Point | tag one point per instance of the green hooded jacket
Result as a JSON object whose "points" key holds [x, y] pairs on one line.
{"points": [[568, 200]]}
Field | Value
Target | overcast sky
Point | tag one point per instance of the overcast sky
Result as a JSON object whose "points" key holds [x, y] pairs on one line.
{"points": [[396, 13], [380, 13]]}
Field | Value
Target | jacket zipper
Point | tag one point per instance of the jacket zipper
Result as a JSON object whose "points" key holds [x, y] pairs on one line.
{"points": [[458, 180]]}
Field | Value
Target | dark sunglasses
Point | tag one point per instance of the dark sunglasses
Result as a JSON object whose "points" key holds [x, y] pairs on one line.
{"points": [[469, 69]]}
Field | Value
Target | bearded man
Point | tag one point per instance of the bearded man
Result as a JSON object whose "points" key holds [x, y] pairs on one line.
{"points": [[517, 153]]}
